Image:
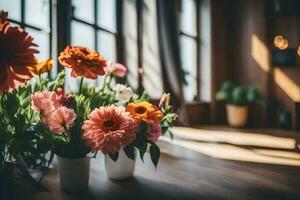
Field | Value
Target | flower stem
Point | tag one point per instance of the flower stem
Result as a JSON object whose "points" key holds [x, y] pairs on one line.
{"points": [[104, 83], [80, 86], [40, 81]]}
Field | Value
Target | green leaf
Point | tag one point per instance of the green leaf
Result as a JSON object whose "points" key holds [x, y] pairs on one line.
{"points": [[171, 135], [12, 104], [154, 153], [227, 86], [221, 96], [143, 150], [114, 156], [254, 95], [239, 95], [129, 151]]}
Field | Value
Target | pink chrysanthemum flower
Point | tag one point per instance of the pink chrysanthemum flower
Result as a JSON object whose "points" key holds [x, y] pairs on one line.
{"points": [[45, 102], [154, 132], [109, 129], [118, 69], [60, 119]]}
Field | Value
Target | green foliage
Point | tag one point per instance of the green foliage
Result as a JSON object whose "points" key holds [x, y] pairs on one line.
{"points": [[141, 142], [20, 141], [239, 95], [99, 97], [154, 153], [114, 156], [129, 151], [49, 84], [70, 144]]}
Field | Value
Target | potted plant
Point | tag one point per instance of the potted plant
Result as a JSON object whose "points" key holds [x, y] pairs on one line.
{"points": [[238, 98], [119, 131], [62, 115], [23, 149], [38, 116]]}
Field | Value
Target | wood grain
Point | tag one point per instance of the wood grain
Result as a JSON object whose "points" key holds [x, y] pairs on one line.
{"points": [[184, 173]]}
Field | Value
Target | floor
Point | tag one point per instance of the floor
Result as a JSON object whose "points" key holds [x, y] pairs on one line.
{"points": [[204, 163]]}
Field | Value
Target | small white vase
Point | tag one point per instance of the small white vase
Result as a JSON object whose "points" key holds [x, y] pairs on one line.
{"points": [[121, 169], [74, 173]]}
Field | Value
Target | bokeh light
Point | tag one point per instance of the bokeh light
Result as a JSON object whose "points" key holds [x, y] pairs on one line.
{"points": [[280, 42]]}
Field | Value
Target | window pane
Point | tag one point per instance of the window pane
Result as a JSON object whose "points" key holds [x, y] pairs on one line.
{"points": [[13, 7], [152, 80], [188, 17], [107, 14], [189, 58], [82, 35], [84, 9], [107, 45], [37, 13], [130, 37], [13, 24], [41, 39]]}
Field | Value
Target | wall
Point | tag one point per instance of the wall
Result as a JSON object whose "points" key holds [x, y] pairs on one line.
{"points": [[251, 60], [220, 54], [242, 37]]}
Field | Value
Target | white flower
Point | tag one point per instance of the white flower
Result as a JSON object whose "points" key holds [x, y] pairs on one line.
{"points": [[123, 92]]}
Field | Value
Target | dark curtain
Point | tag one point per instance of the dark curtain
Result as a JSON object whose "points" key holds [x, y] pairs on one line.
{"points": [[168, 37]]}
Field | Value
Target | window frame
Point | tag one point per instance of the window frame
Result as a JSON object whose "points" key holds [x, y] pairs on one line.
{"points": [[97, 28], [197, 39], [25, 25]]}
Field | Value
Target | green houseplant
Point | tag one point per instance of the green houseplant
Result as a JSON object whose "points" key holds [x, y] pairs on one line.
{"points": [[238, 98]]}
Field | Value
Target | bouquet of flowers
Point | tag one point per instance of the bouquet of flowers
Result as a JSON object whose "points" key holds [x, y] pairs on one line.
{"points": [[38, 115], [105, 118], [21, 146]]}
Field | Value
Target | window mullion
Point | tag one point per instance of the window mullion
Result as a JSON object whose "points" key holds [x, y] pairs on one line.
{"points": [[96, 23], [50, 32], [22, 14], [198, 56], [120, 45], [139, 7], [63, 26]]}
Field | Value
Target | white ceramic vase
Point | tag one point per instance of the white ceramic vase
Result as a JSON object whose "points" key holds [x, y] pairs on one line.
{"points": [[74, 173], [237, 116], [121, 169]]}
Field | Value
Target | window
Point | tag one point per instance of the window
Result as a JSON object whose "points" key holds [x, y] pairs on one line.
{"points": [[190, 47], [35, 17], [93, 24], [141, 46]]}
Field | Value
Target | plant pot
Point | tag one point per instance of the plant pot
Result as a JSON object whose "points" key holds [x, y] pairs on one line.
{"points": [[121, 169], [74, 173], [237, 115]]}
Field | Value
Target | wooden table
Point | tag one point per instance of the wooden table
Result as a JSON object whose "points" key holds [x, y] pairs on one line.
{"points": [[184, 173]]}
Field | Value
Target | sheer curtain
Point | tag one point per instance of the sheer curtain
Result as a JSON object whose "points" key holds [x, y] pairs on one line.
{"points": [[160, 49], [168, 32], [130, 40], [152, 80]]}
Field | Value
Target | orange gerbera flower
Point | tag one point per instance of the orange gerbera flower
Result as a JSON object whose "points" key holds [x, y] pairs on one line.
{"points": [[83, 61], [42, 67], [16, 54], [145, 111]]}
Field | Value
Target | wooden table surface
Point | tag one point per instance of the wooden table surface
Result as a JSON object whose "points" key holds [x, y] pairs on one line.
{"points": [[198, 169]]}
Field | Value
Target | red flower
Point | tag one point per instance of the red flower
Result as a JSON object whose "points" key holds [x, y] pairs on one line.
{"points": [[16, 55], [83, 61]]}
